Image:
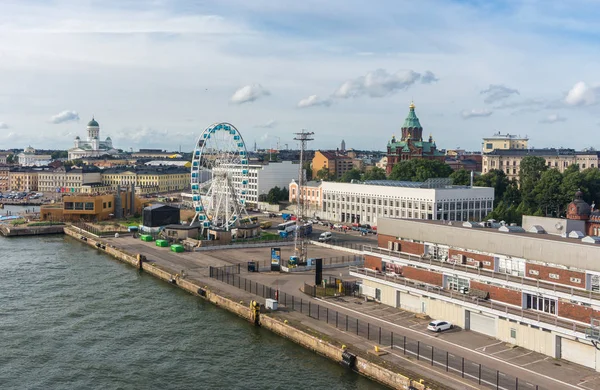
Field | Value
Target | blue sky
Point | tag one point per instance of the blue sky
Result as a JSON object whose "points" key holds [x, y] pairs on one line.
{"points": [[155, 73]]}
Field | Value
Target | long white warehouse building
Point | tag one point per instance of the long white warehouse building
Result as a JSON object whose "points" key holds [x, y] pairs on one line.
{"points": [[364, 202]]}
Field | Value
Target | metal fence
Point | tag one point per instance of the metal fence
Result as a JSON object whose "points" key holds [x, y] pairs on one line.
{"points": [[328, 261], [397, 343]]}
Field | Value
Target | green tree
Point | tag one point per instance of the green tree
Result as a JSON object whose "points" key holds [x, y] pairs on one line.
{"points": [[324, 174], [274, 195], [572, 181], [496, 179], [59, 154], [591, 185], [12, 159], [308, 169], [462, 177], [348, 176], [284, 194], [374, 173], [512, 193], [549, 200], [420, 170], [531, 169]]}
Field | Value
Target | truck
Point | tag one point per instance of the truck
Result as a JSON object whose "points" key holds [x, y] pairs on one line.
{"points": [[286, 216]]}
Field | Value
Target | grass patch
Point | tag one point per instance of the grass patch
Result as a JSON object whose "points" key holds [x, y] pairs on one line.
{"points": [[46, 223]]}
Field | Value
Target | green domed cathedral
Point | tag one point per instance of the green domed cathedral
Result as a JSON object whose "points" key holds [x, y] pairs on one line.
{"points": [[411, 145]]}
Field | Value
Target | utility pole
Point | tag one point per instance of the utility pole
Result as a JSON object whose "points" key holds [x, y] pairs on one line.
{"points": [[301, 243]]}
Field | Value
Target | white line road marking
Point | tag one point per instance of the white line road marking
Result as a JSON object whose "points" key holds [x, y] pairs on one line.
{"points": [[520, 367], [503, 350], [537, 361], [516, 357], [482, 349]]}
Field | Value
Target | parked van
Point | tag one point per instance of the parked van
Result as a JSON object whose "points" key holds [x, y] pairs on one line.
{"points": [[325, 236]]}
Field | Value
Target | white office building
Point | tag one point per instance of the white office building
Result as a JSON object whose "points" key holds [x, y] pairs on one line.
{"points": [[435, 199], [263, 177], [29, 158]]}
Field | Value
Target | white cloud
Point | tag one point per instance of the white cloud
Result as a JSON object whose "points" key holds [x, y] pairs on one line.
{"points": [[249, 93], [268, 125], [65, 116], [582, 94], [314, 100], [3, 126], [553, 118], [496, 93], [380, 83], [475, 113]]}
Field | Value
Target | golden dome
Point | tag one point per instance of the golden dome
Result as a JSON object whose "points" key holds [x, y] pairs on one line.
{"points": [[412, 105]]}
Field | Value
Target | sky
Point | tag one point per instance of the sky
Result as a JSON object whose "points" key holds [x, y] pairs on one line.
{"points": [[155, 73]]}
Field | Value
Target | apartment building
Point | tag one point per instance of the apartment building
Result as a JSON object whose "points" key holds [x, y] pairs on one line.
{"points": [[68, 179], [337, 164], [23, 179], [521, 285], [148, 179], [509, 161], [4, 177], [504, 142]]}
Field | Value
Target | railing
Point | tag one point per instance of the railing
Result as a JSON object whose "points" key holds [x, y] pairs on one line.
{"points": [[94, 230], [328, 261], [216, 243], [489, 273], [436, 357], [540, 318]]}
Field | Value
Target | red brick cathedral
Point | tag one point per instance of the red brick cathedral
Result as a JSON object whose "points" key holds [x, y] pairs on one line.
{"points": [[411, 145]]}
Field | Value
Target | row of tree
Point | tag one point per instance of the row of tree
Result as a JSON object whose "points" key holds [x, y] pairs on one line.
{"points": [[275, 195], [542, 191]]}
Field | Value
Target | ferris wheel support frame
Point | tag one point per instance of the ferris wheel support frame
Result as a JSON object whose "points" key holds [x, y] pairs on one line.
{"points": [[222, 205]]}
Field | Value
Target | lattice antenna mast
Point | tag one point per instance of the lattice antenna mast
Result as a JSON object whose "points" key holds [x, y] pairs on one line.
{"points": [[301, 244]]}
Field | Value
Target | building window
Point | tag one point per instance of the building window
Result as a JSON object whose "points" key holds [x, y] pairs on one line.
{"points": [[546, 305], [78, 205], [456, 283], [89, 205], [109, 204], [512, 266], [68, 206]]}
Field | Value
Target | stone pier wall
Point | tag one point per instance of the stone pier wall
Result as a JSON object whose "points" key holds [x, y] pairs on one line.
{"points": [[365, 367]]}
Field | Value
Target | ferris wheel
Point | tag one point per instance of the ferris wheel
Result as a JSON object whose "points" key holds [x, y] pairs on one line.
{"points": [[219, 177]]}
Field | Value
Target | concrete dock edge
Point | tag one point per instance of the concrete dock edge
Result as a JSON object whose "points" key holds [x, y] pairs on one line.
{"points": [[364, 366]]}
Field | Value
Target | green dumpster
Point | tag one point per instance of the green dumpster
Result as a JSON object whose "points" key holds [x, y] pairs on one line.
{"points": [[162, 243], [177, 248], [146, 237]]}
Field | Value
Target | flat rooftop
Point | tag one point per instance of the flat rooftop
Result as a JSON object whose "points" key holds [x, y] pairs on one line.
{"points": [[494, 230]]}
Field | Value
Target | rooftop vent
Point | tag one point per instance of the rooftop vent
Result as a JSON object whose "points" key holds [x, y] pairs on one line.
{"points": [[471, 225], [511, 229], [536, 229], [591, 240], [576, 234]]}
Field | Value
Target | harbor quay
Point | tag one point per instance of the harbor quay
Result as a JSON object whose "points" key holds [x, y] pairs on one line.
{"points": [[389, 338], [392, 371]]}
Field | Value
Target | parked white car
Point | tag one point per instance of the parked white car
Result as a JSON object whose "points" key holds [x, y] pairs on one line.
{"points": [[337, 226], [438, 326]]}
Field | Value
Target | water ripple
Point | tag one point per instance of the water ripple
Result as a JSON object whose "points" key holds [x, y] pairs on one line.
{"points": [[73, 318]]}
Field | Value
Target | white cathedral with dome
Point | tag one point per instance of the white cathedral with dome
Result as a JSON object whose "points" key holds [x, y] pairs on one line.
{"points": [[92, 147]]}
